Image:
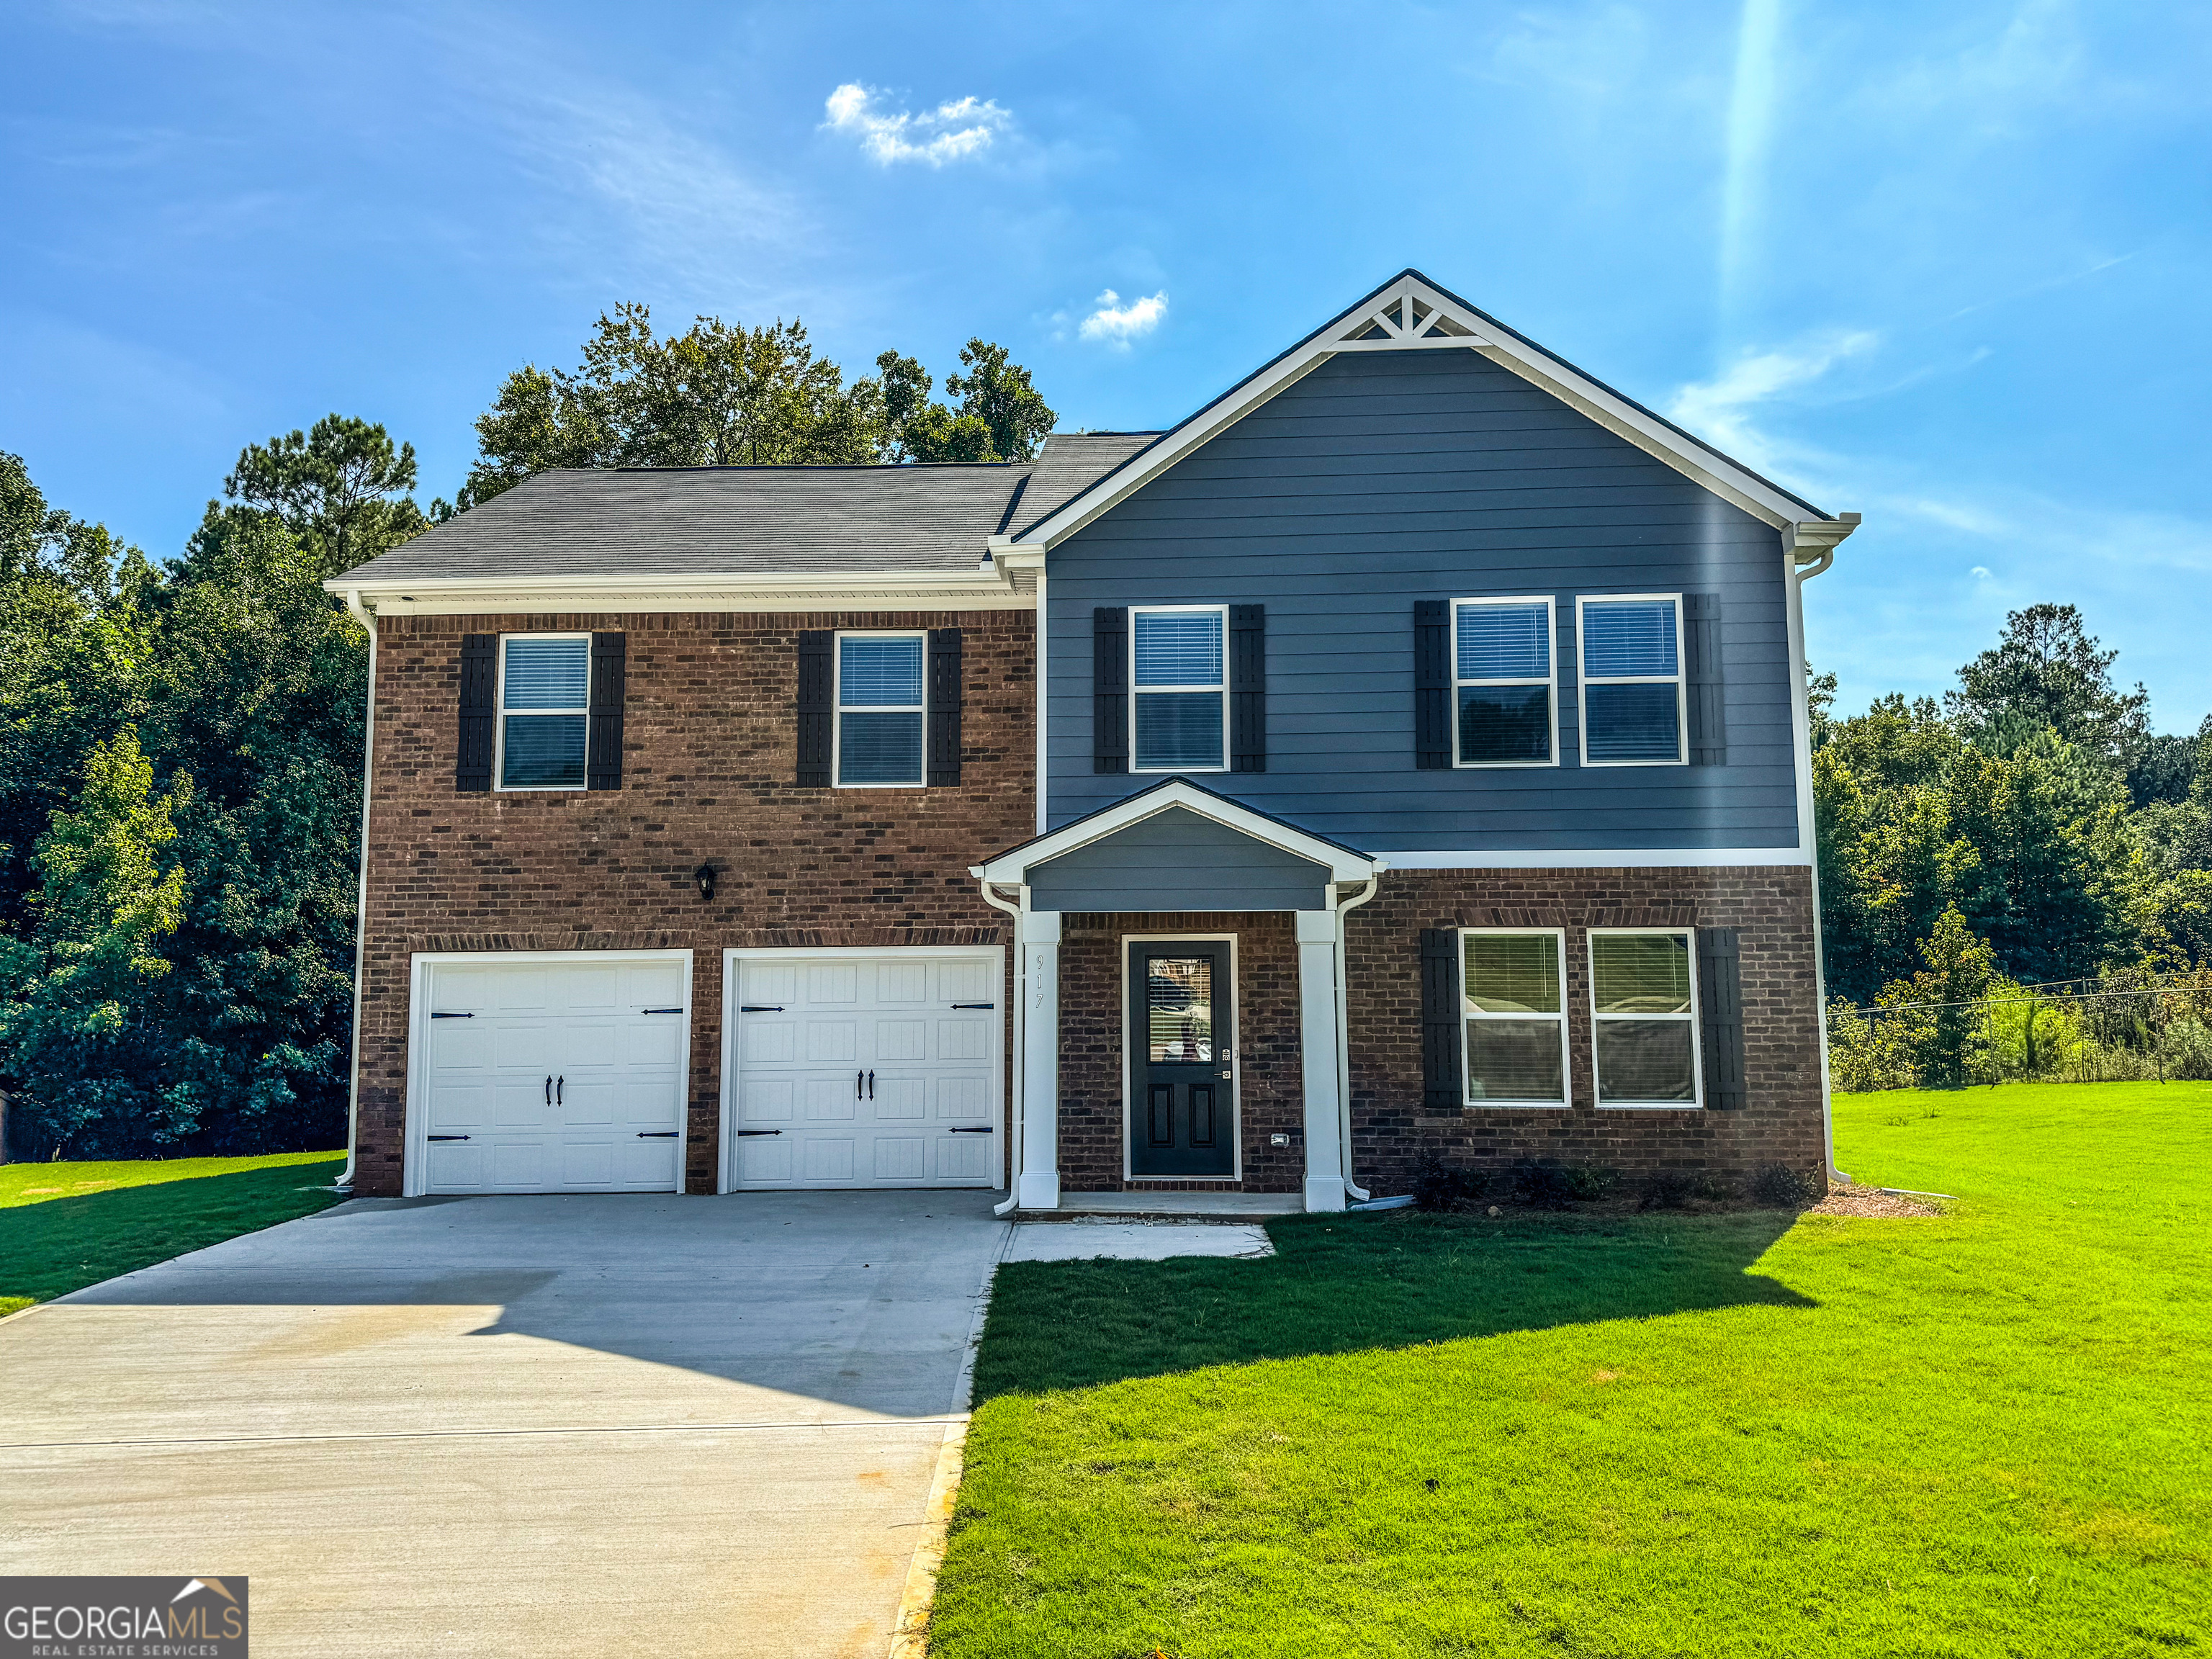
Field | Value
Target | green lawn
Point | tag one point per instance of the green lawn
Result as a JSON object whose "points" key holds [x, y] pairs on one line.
{"points": [[63, 1226], [1983, 1433]]}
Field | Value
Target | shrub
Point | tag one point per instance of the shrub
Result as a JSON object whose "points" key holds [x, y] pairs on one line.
{"points": [[1439, 1186], [1778, 1186], [1548, 1184], [1667, 1189]]}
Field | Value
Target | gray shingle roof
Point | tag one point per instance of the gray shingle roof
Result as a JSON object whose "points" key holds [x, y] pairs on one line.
{"points": [[1069, 463], [740, 520]]}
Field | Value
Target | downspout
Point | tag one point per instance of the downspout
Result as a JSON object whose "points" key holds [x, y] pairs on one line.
{"points": [[1015, 1116], [1358, 1194], [360, 614], [1801, 708]]}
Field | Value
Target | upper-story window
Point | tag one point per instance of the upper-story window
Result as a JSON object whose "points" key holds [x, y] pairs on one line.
{"points": [[1179, 701], [544, 710], [1504, 699], [1631, 670], [880, 705]]}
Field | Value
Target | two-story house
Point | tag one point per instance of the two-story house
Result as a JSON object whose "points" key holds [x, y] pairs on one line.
{"points": [[1405, 756]]}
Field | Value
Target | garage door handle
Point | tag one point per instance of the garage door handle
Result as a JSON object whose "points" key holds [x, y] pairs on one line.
{"points": [[760, 1132], [548, 1088], [974, 1005], [760, 1008], [981, 1129], [437, 1016], [560, 1084], [449, 1137], [664, 1010], [656, 1134]]}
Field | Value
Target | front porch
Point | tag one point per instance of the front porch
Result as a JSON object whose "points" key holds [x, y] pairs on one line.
{"points": [[1179, 1027]]}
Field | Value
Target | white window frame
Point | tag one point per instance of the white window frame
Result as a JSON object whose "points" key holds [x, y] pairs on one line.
{"points": [[1551, 656], [1136, 610], [1468, 1016], [499, 721], [1697, 1100], [838, 710], [1584, 679]]}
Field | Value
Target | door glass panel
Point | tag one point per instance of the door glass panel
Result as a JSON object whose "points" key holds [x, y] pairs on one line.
{"points": [[1179, 1008]]}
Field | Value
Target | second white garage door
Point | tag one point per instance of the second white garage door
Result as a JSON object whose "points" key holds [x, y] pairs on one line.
{"points": [[864, 1070]]}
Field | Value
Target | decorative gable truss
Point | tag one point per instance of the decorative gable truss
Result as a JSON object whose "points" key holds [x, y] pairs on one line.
{"points": [[1409, 313]]}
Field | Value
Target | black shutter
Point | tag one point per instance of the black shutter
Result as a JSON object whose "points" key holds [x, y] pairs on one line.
{"points": [[944, 706], [1701, 679], [1720, 1016], [479, 708], [1109, 689], [604, 729], [1247, 688], [1440, 1088], [816, 681], [1433, 684]]}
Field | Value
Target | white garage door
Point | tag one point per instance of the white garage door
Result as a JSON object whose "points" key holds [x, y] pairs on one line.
{"points": [[562, 1076], [865, 1071]]}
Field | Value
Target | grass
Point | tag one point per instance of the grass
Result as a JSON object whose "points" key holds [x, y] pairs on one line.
{"points": [[1982, 1433], [63, 1226]]}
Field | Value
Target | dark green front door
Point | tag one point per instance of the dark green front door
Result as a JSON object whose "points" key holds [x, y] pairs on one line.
{"points": [[1182, 1038]]}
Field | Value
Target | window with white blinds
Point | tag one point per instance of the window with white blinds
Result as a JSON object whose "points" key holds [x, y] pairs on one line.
{"points": [[1179, 693], [1504, 699], [1631, 672], [545, 697], [880, 709]]}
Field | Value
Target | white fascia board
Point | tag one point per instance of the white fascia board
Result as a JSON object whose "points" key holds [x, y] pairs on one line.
{"points": [[1603, 858], [1011, 869], [475, 595], [1608, 409]]}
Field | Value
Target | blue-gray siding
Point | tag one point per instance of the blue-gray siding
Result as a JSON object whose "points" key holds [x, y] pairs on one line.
{"points": [[1384, 477], [1178, 861]]}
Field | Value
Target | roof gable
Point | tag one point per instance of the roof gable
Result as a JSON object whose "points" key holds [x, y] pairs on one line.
{"points": [[1409, 313]]}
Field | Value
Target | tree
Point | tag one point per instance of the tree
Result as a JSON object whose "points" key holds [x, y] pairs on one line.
{"points": [[2048, 671], [73, 996], [998, 393], [1947, 993], [717, 395], [341, 487]]}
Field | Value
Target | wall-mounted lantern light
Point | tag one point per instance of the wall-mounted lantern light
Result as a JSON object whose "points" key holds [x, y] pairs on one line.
{"points": [[704, 875]]}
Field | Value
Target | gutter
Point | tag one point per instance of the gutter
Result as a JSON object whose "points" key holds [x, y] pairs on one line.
{"points": [[1015, 1116], [1358, 1194], [1820, 540], [361, 614]]}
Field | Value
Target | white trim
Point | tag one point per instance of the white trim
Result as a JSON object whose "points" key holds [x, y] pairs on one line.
{"points": [[1219, 689], [837, 706], [1468, 1016], [1583, 678], [787, 591], [1654, 437], [419, 963], [1009, 869], [725, 1164], [1460, 681], [367, 618], [498, 783], [1235, 1059], [1042, 707], [1697, 1100], [1607, 858]]}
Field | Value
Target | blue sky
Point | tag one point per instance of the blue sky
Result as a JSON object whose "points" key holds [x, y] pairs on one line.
{"points": [[1945, 265]]}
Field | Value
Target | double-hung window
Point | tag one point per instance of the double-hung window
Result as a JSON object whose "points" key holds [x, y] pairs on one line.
{"points": [[1643, 1008], [1632, 666], [1514, 1014], [880, 707], [544, 710], [1179, 691], [1503, 691]]}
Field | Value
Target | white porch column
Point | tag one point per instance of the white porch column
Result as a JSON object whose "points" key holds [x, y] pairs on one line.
{"points": [[1037, 1185], [1317, 1056]]}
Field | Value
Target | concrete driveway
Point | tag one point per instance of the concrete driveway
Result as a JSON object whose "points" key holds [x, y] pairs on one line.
{"points": [[514, 1425]]}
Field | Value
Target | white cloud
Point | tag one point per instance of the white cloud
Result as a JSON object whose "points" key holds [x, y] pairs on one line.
{"points": [[950, 132], [1980, 573], [1720, 410], [1117, 323]]}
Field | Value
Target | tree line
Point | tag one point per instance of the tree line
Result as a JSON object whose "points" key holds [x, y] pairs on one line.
{"points": [[180, 739]]}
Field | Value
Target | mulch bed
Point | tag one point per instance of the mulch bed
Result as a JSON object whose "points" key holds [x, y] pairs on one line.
{"points": [[1872, 1201]]}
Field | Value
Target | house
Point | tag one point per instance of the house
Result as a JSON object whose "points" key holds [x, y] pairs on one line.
{"points": [[1406, 756]]}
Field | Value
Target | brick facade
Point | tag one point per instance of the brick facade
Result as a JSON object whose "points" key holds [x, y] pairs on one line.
{"points": [[708, 756], [1771, 907]]}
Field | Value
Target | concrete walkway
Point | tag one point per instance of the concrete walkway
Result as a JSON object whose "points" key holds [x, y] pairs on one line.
{"points": [[514, 1425]]}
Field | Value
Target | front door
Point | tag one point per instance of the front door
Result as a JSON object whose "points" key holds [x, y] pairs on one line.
{"points": [[1182, 1046]]}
